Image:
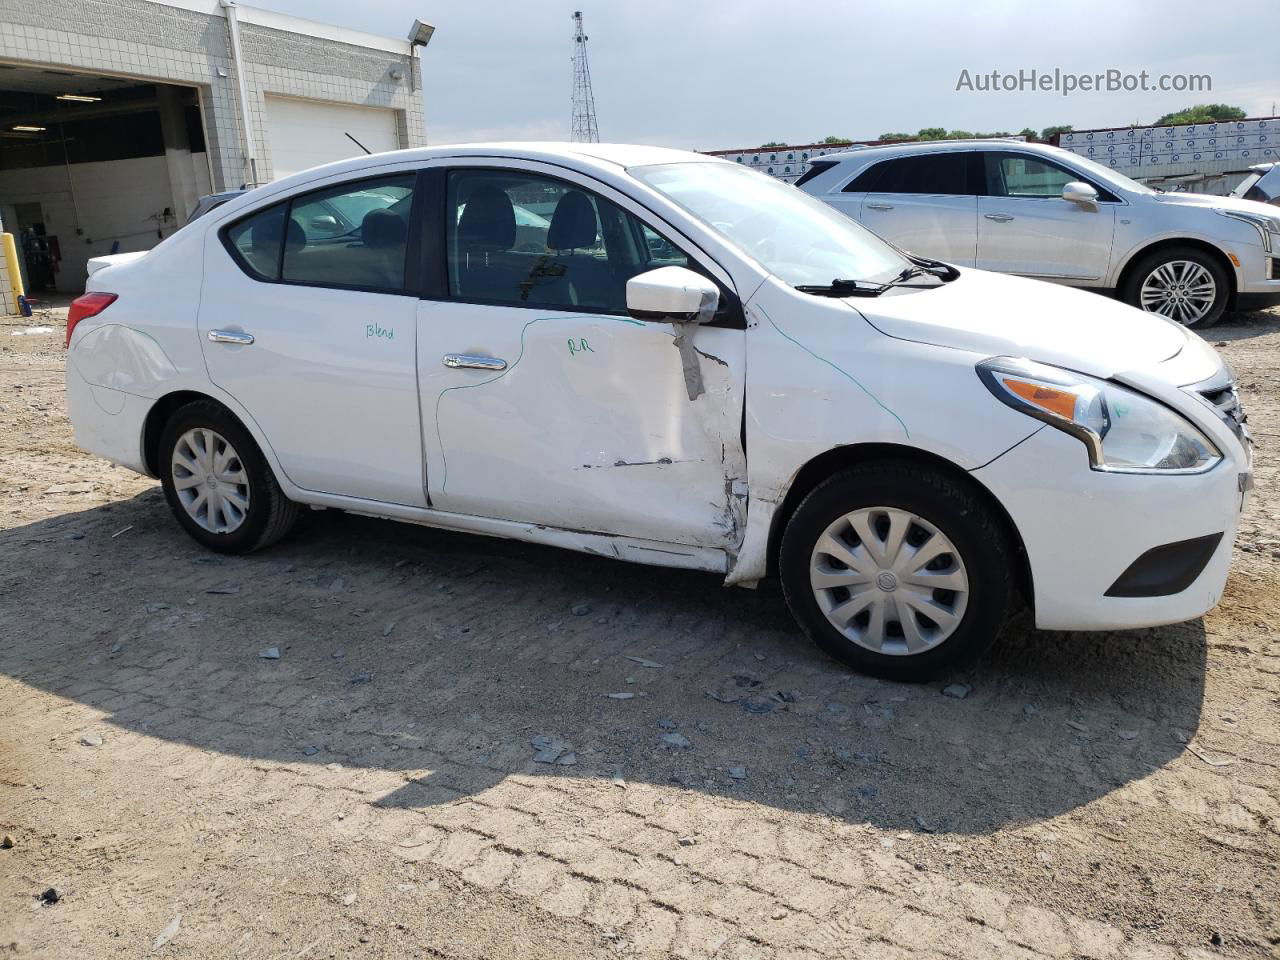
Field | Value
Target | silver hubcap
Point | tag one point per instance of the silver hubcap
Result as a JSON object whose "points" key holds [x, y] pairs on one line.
{"points": [[210, 480], [889, 580], [1180, 290]]}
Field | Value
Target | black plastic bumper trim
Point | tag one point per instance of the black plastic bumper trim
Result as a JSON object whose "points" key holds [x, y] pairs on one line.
{"points": [[1256, 301], [1167, 569]]}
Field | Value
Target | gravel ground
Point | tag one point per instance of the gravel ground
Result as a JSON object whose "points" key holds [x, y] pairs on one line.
{"points": [[376, 790]]}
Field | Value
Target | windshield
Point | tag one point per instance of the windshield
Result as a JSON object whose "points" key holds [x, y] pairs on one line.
{"points": [[1263, 186], [797, 238], [1109, 176], [1245, 185]]}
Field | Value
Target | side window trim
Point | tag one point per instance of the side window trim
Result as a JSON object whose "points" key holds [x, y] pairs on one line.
{"points": [[412, 273], [436, 225]]}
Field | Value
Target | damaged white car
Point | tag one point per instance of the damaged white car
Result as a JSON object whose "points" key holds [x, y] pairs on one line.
{"points": [[661, 357]]}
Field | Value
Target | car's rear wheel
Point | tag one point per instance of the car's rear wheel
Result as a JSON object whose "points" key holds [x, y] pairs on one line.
{"points": [[1182, 283], [897, 570], [217, 483]]}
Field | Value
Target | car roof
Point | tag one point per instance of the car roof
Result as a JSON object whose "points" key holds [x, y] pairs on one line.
{"points": [[621, 155], [608, 159], [939, 146]]}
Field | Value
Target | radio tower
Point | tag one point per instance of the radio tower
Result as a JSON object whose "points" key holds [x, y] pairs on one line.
{"points": [[584, 102]]}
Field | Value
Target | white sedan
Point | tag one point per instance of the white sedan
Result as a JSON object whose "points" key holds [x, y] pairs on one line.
{"points": [[680, 363]]}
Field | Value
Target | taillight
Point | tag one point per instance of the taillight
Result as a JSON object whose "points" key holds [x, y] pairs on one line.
{"points": [[89, 305]]}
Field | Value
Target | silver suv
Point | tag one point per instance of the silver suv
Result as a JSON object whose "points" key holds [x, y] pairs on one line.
{"points": [[1037, 211], [1261, 185]]}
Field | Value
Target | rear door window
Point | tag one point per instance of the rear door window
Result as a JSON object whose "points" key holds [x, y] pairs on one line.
{"points": [[256, 242], [940, 174], [353, 235]]}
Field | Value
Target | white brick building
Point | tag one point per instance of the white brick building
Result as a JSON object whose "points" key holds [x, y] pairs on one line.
{"points": [[117, 115]]}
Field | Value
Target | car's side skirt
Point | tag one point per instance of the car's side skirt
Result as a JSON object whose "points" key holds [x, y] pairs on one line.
{"points": [[651, 552]]}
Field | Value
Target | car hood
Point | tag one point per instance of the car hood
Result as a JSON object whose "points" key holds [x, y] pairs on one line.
{"points": [[1219, 203], [999, 315]]}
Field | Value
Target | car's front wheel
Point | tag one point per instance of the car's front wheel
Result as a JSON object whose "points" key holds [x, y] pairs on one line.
{"points": [[897, 569], [1184, 284], [218, 484]]}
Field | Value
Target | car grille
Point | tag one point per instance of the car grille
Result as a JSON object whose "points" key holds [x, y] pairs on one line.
{"points": [[1221, 394], [1275, 268]]}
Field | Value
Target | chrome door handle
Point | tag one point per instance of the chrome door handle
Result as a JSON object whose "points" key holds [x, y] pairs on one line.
{"points": [[471, 362], [880, 206], [230, 336], [998, 217]]}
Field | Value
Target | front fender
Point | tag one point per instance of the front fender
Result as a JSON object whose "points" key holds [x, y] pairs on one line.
{"points": [[819, 377]]}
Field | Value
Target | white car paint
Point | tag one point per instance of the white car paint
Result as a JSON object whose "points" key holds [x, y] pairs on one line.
{"points": [[601, 449], [1085, 245]]}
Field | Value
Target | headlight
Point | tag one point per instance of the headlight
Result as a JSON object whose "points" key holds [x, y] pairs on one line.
{"points": [[1123, 430], [1268, 227]]}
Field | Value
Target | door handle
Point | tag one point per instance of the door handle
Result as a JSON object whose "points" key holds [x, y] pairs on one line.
{"points": [[998, 217], [230, 336], [471, 362], [880, 206]]}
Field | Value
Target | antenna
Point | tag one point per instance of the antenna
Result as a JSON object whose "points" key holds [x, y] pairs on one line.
{"points": [[584, 102]]}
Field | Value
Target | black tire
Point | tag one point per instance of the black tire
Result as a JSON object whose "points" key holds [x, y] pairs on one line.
{"points": [[270, 514], [1137, 275], [955, 510]]}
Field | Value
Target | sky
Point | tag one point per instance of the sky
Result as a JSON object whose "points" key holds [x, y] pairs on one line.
{"points": [[707, 75]]}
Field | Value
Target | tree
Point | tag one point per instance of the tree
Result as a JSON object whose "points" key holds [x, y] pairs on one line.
{"points": [[836, 140], [1202, 113], [1048, 132], [896, 136], [1028, 133], [772, 145], [959, 135], [932, 133]]}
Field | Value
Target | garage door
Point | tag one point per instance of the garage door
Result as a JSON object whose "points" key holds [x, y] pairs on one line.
{"points": [[305, 133]]}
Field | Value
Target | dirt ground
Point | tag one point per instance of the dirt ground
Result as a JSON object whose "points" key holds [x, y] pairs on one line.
{"points": [[373, 791]]}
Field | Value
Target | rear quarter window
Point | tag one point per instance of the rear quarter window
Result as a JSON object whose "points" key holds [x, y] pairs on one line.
{"points": [[255, 242]]}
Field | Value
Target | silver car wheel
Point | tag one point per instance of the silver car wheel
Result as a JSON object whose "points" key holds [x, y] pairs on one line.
{"points": [[210, 480], [889, 580], [1181, 290]]}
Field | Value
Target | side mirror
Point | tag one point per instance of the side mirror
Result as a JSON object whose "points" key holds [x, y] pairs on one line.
{"points": [[324, 222], [1082, 193], [673, 294]]}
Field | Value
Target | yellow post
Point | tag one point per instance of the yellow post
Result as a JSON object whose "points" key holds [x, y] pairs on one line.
{"points": [[11, 261]]}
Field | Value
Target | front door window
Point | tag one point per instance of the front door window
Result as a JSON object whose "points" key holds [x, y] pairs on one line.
{"points": [[521, 239]]}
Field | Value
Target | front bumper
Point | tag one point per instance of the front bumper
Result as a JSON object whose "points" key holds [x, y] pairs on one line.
{"points": [[1257, 280], [1257, 301], [1082, 529]]}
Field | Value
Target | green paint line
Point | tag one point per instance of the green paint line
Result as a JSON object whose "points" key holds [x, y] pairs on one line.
{"points": [[844, 373], [444, 479]]}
